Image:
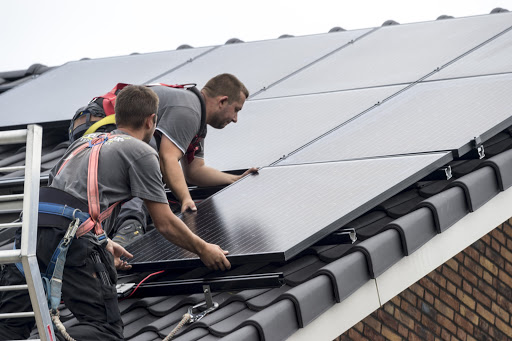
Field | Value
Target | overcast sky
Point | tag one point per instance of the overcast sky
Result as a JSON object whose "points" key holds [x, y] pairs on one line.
{"points": [[53, 32]]}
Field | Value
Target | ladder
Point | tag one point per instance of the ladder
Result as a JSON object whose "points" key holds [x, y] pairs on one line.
{"points": [[27, 253]]}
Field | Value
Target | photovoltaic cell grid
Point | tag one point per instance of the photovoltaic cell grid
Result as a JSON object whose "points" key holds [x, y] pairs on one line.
{"points": [[268, 129], [256, 219], [259, 64], [57, 94], [431, 116], [393, 55]]}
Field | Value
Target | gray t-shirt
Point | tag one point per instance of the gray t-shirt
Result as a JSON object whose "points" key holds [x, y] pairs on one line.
{"points": [[127, 168], [179, 117]]}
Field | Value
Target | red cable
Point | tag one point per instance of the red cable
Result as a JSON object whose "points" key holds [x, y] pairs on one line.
{"points": [[154, 273]]}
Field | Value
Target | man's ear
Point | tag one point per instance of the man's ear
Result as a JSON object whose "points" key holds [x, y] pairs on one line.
{"points": [[150, 121], [223, 100]]}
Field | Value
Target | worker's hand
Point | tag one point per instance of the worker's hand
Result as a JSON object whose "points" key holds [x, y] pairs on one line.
{"points": [[249, 171], [188, 205], [214, 257], [117, 251]]}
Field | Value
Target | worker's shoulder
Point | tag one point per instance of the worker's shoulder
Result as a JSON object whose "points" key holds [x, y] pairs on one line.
{"points": [[175, 96]]}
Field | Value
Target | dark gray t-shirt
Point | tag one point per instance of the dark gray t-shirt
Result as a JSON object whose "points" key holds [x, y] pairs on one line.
{"points": [[179, 117], [127, 168]]}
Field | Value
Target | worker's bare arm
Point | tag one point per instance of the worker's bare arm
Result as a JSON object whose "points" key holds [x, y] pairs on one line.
{"points": [[199, 174], [170, 156], [175, 230]]}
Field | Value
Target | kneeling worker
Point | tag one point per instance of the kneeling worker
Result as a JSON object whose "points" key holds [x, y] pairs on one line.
{"points": [[95, 174]]}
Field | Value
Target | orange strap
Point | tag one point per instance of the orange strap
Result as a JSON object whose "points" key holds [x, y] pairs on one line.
{"points": [[93, 196]]}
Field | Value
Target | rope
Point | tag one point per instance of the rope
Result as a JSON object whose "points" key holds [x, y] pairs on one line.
{"points": [[184, 320], [60, 326]]}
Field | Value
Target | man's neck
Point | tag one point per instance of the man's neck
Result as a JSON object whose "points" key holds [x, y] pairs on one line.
{"points": [[137, 133]]}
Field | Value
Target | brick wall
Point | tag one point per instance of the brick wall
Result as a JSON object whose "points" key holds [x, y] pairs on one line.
{"points": [[467, 298]]}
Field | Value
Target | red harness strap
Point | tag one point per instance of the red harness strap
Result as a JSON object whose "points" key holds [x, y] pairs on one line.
{"points": [[93, 197]]}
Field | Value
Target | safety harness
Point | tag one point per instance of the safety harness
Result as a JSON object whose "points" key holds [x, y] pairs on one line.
{"points": [[81, 222]]}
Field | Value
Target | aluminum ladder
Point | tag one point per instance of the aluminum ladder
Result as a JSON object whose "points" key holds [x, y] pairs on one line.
{"points": [[27, 253]]}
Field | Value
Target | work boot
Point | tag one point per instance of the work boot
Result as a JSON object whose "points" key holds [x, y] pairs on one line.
{"points": [[128, 232]]}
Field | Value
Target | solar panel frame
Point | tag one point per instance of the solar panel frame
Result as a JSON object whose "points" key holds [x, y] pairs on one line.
{"points": [[257, 219]]}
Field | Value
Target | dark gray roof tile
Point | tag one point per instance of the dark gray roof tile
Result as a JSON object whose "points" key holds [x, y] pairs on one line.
{"points": [[170, 303], [463, 167], [167, 322], [434, 187], [135, 322], [247, 333], [221, 313], [276, 322], [311, 298], [192, 335], [335, 252], [502, 165], [479, 187], [415, 228], [347, 274], [381, 251], [233, 322], [304, 274], [147, 336], [448, 207], [266, 299]]}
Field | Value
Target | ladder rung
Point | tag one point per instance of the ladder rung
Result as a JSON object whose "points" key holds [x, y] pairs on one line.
{"points": [[10, 256], [10, 225], [14, 287], [17, 315], [13, 136], [11, 169], [11, 197]]}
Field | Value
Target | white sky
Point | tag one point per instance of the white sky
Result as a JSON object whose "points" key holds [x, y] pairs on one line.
{"points": [[53, 32]]}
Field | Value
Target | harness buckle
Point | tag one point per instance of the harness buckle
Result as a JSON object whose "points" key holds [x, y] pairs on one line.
{"points": [[102, 238], [70, 233]]}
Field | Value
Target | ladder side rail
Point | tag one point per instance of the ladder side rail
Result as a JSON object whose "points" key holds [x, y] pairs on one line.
{"points": [[29, 233]]}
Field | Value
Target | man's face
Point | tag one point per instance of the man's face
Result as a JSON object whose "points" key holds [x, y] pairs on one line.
{"points": [[149, 132], [228, 112]]}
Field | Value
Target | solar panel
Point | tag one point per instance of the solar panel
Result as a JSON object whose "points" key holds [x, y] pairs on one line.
{"points": [[431, 116], [268, 129], [276, 214], [494, 57], [259, 64], [57, 94], [393, 55]]}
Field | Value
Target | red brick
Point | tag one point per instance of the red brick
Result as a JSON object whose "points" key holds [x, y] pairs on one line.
{"points": [[403, 331], [461, 334], [489, 265], [479, 245], [507, 229], [359, 326], [417, 289], [446, 323], [466, 299], [487, 289], [429, 285], [486, 301], [412, 311], [389, 308], [468, 276], [453, 338], [505, 278], [487, 277], [486, 239], [414, 337], [507, 254], [423, 332], [428, 310], [508, 268], [451, 301], [387, 319], [473, 266], [429, 298], [503, 289], [444, 309], [409, 296], [497, 335], [494, 257], [467, 287], [504, 303], [445, 335], [496, 233], [459, 256], [473, 253], [396, 300], [431, 325], [452, 276], [500, 312], [452, 289], [452, 263], [504, 327], [495, 244], [390, 335], [486, 314], [438, 279], [356, 336], [373, 323], [463, 323], [482, 324], [469, 314], [372, 334], [403, 318]]}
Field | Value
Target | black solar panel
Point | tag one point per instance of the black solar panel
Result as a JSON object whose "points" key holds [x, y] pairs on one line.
{"points": [[259, 64], [276, 214], [57, 94], [393, 55], [431, 116]]}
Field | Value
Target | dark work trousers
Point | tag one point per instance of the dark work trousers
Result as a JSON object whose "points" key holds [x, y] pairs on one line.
{"points": [[133, 210], [93, 303]]}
